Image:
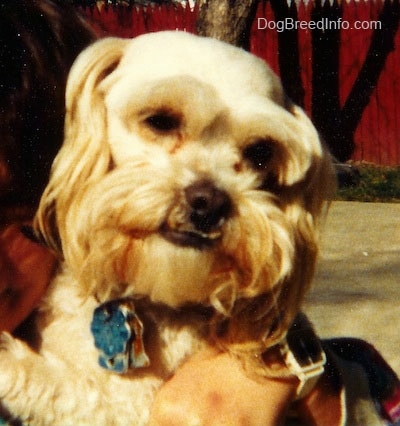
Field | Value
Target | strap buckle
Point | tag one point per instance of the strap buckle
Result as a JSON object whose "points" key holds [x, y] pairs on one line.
{"points": [[304, 357]]}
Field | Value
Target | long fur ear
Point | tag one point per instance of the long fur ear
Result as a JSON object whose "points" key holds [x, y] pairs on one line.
{"points": [[85, 154], [307, 211], [258, 323], [320, 184]]}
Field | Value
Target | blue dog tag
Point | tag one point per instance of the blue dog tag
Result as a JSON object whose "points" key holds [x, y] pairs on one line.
{"points": [[118, 334]]}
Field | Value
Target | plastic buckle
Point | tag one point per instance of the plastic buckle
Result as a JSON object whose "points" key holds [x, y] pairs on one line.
{"points": [[304, 357]]}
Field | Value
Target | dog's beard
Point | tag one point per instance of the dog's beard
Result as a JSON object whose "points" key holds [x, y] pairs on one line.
{"points": [[115, 244]]}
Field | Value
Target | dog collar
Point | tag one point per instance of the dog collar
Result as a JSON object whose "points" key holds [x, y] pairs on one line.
{"points": [[304, 357], [118, 335]]}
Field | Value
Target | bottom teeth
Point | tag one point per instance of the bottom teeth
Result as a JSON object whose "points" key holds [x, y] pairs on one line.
{"points": [[209, 235]]}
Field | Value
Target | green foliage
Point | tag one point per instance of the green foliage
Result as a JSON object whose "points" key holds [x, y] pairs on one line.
{"points": [[376, 184]]}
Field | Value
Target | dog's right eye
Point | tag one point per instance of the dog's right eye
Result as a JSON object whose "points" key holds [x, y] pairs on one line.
{"points": [[163, 122], [259, 154]]}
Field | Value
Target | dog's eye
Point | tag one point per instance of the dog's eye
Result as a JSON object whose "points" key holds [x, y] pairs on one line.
{"points": [[163, 122], [259, 153]]}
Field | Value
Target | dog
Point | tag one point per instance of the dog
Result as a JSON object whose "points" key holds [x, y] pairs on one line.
{"points": [[185, 204]]}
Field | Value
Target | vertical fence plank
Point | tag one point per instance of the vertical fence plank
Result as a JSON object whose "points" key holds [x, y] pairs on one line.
{"points": [[264, 41], [304, 35]]}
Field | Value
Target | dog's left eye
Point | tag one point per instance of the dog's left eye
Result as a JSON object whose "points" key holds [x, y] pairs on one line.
{"points": [[259, 153], [163, 122]]}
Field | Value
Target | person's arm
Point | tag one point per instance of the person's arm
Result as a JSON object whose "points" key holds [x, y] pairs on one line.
{"points": [[25, 271], [212, 389]]}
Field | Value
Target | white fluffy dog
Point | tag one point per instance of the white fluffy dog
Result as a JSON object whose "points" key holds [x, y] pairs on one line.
{"points": [[185, 204]]}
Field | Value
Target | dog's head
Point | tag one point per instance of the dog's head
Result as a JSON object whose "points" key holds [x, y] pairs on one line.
{"points": [[188, 177]]}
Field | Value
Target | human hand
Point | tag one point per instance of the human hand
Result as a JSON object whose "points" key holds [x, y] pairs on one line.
{"points": [[212, 389], [25, 271]]}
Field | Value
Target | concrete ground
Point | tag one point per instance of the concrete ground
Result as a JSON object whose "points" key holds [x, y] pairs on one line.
{"points": [[357, 286]]}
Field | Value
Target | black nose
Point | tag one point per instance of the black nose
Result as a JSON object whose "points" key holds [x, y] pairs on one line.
{"points": [[209, 206]]}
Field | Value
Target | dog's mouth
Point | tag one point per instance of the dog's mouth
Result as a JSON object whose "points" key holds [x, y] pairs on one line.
{"points": [[191, 237]]}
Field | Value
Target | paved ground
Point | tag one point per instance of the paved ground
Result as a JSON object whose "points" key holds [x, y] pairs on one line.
{"points": [[357, 287]]}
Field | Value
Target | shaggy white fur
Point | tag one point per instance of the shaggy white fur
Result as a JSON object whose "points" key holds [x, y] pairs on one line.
{"points": [[188, 182]]}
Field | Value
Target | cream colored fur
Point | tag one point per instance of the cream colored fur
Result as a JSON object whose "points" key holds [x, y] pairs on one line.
{"points": [[116, 209]]}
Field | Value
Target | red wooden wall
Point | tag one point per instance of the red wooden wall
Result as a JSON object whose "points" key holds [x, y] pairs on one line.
{"points": [[377, 137]]}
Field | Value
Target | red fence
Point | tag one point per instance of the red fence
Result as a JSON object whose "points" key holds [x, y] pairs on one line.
{"points": [[377, 137]]}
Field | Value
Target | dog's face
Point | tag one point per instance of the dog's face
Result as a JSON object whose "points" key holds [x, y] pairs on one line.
{"points": [[185, 176]]}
